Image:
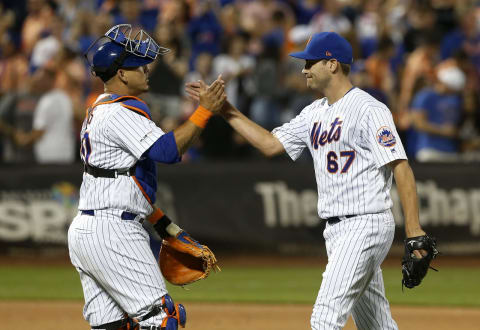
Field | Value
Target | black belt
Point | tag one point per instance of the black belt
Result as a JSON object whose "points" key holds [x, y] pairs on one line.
{"points": [[125, 215], [98, 172], [121, 324], [334, 220]]}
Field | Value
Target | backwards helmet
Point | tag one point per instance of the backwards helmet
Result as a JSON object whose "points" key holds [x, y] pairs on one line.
{"points": [[118, 49]]}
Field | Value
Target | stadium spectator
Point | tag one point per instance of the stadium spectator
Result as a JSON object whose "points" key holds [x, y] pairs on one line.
{"points": [[297, 93], [16, 114], [235, 66], [49, 44], [52, 133], [305, 10], [72, 79], [203, 70], [204, 31], [418, 72], [229, 19], [167, 74], [379, 69], [331, 19], [420, 20], [13, 65], [436, 116], [40, 14], [466, 37], [132, 12], [256, 16], [398, 43], [265, 108], [368, 26]]}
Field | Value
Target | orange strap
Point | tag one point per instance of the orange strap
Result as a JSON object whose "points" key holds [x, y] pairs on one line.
{"points": [[156, 215], [201, 116], [141, 189]]}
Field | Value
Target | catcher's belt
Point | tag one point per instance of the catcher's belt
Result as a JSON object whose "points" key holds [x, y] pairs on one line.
{"points": [[98, 172], [124, 215]]}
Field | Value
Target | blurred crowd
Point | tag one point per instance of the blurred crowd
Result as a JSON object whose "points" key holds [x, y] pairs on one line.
{"points": [[420, 57]]}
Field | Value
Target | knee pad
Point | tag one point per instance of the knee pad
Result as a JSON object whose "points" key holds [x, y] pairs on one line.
{"points": [[176, 314]]}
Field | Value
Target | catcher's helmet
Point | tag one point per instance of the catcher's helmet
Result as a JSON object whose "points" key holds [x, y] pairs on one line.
{"points": [[117, 49]]}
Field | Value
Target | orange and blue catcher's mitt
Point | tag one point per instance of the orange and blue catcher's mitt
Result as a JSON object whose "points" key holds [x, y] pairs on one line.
{"points": [[183, 260]]}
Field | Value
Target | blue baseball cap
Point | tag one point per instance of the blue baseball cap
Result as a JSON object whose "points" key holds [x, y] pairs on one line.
{"points": [[325, 46]]}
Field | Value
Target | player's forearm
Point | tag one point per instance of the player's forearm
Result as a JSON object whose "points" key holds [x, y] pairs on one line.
{"points": [[162, 224], [185, 135], [407, 191], [256, 135], [188, 132]]}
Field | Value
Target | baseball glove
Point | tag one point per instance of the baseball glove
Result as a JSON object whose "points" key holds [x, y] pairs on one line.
{"points": [[183, 260], [413, 268]]}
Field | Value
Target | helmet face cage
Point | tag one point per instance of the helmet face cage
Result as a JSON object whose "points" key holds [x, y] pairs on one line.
{"points": [[140, 45]]}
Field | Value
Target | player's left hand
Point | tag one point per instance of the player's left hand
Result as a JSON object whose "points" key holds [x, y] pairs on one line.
{"points": [[193, 89], [183, 260], [415, 268], [416, 233]]}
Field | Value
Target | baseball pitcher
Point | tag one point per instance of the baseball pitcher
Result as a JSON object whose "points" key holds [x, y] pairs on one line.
{"points": [[356, 151]]}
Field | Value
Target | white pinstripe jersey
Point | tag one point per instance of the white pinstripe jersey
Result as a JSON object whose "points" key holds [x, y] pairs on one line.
{"points": [[115, 138], [350, 142]]}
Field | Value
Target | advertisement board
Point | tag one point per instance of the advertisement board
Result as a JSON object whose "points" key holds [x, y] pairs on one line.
{"points": [[269, 206]]}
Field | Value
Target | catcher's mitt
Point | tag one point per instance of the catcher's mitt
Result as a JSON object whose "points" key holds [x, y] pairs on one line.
{"points": [[183, 260], [413, 268]]}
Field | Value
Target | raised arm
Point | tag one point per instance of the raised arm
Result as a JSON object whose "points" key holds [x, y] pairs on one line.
{"points": [[211, 101], [256, 135]]}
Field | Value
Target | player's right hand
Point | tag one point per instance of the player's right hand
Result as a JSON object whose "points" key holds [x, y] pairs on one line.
{"points": [[192, 90], [213, 97]]}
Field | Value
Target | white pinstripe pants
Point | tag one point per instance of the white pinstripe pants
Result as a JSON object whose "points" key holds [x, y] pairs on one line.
{"points": [[117, 268], [352, 281]]}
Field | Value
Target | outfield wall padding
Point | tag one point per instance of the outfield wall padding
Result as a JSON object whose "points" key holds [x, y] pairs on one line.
{"points": [[238, 207]]}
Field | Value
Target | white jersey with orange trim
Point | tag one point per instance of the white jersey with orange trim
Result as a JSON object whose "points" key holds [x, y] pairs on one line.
{"points": [[115, 136], [350, 142]]}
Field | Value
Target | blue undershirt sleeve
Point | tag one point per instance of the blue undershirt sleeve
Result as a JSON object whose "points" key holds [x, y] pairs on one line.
{"points": [[164, 150]]}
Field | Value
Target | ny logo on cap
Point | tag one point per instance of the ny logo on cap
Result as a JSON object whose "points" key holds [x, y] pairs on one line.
{"points": [[328, 53]]}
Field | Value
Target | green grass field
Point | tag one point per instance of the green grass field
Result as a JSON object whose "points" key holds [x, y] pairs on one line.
{"points": [[449, 287]]}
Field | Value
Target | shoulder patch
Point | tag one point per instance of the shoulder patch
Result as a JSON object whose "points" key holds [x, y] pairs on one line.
{"points": [[385, 137]]}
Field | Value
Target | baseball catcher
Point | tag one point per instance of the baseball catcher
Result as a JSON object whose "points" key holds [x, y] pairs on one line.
{"points": [[182, 259], [120, 146], [414, 268]]}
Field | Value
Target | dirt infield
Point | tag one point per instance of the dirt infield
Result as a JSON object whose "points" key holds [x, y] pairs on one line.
{"points": [[42, 315], [66, 315]]}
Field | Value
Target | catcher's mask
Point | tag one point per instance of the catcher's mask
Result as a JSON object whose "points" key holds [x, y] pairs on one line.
{"points": [[118, 49]]}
